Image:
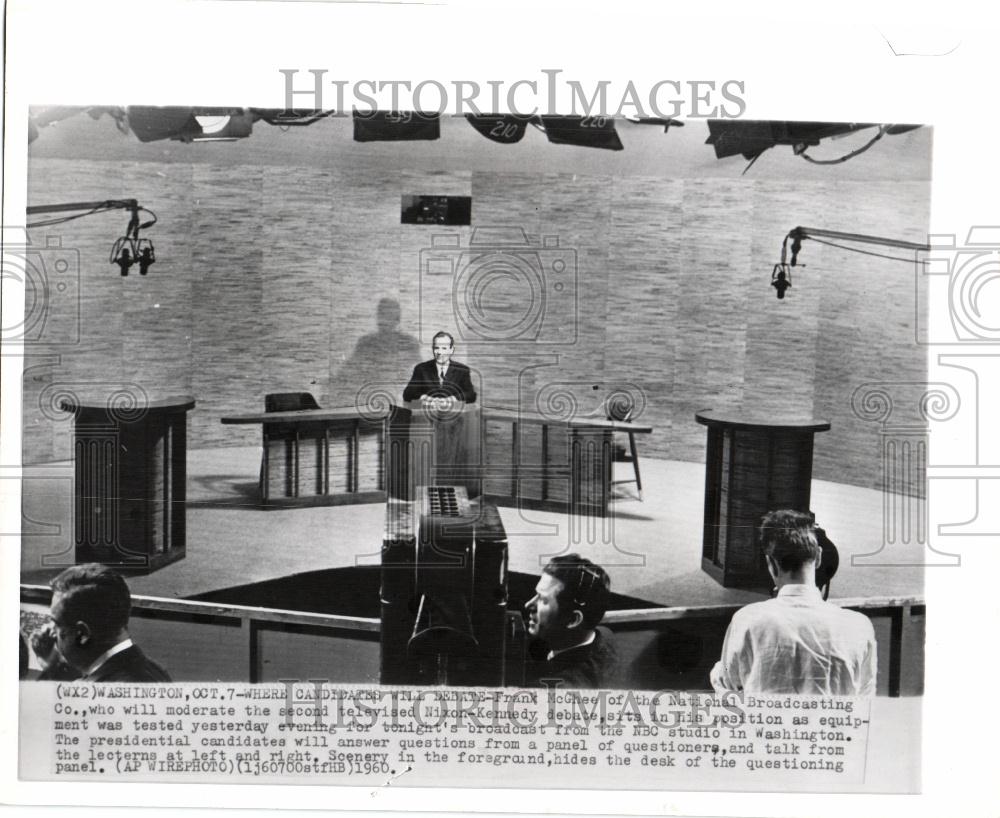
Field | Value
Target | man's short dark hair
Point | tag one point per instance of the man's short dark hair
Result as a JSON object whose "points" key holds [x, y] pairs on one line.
{"points": [[586, 586], [443, 334], [97, 595], [788, 538]]}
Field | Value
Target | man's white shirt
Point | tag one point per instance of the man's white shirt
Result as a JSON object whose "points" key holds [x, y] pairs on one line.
{"points": [[798, 643]]}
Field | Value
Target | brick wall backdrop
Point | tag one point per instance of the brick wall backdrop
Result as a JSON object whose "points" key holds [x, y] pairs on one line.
{"points": [[273, 277]]}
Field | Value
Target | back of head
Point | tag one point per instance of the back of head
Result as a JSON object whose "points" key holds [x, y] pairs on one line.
{"points": [[586, 586], [788, 538], [97, 595]]}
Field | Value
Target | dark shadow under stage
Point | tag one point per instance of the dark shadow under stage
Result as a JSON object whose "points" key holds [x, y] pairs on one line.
{"points": [[354, 591]]}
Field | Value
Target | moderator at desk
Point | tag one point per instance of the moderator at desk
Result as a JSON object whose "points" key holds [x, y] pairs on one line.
{"points": [[352, 455]]}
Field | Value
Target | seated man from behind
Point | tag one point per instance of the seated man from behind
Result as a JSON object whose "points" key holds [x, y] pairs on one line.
{"points": [[796, 642], [90, 610], [569, 649]]}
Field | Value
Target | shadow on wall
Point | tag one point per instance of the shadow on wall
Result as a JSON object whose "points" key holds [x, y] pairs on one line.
{"points": [[380, 362]]}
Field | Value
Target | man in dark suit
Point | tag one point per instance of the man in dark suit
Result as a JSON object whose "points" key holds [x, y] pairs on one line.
{"points": [[90, 610], [568, 648], [441, 377]]}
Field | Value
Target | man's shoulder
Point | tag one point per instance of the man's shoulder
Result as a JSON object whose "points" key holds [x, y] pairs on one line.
{"points": [[753, 611], [854, 618], [589, 666], [425, 368], [758, 613], [604, 640], [597, 662], [131, 665], [766, 615]]}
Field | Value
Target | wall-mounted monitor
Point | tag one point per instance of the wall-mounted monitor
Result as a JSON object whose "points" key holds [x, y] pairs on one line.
{"points": [[454, 210]]}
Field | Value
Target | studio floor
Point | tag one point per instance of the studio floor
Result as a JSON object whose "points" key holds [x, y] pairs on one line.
{"points": [[651, 548]]}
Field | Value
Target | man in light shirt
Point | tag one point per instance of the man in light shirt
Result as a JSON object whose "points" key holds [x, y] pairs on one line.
{"points": [[796, 642], [90, 610]]}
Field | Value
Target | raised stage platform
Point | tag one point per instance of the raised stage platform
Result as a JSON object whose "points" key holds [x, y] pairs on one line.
{"points": [[651, 549]]}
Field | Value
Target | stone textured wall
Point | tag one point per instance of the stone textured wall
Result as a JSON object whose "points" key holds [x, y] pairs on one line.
{"points": [[270, 278]]}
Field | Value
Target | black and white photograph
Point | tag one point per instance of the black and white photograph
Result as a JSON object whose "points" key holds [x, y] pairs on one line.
{"points": [[523, 431]]}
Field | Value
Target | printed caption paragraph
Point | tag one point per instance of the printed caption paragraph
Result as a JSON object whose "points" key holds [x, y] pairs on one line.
{"points": [[317, 733]]}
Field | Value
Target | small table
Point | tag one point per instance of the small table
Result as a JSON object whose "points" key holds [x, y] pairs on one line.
{"points": [[130, 487], [754, 464]]}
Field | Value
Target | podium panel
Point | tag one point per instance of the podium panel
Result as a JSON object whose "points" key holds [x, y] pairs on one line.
{"points": [[320, 456], [535, 461], [752, 466], [320, 461], [430, 447], [130, 482]]}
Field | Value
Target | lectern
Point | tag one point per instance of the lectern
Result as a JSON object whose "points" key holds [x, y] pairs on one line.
{"points": [[129, 489], [434, 444], [754, 464]]}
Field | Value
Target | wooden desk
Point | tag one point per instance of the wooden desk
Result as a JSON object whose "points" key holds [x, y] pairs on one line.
{"points": [[130, 484], [754, 464], [538, 461], [320, 456], [515, 458]]}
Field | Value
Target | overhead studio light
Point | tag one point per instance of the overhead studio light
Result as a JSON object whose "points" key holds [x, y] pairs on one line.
{"points": [[667, 123], [396, 126], [507, 129], [584, 131], [750, 138], [226, 128], [150, 124]]}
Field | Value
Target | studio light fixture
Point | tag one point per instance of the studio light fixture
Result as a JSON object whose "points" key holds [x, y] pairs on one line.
{"points": [[128, 250], [781, 274], [750, 138], [190, 124], [396, 126], [582, 131]]}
